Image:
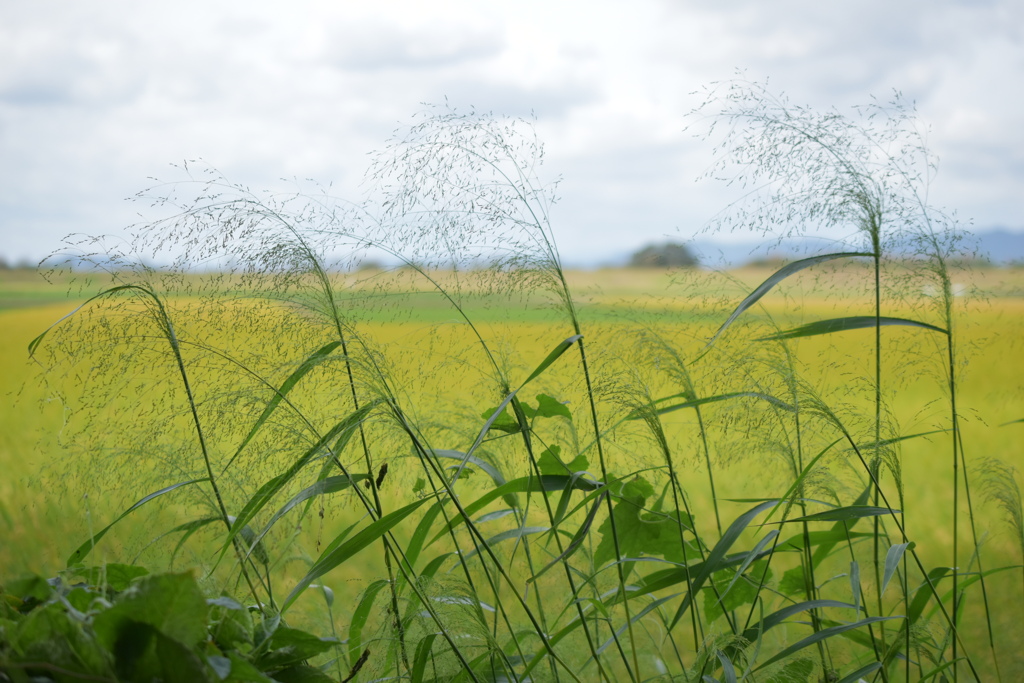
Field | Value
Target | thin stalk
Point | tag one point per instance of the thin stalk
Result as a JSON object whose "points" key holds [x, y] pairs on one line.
{"points": [[172, 339]]}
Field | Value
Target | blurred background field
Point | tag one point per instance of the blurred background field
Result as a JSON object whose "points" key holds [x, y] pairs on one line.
{"points": [[57, 488]]}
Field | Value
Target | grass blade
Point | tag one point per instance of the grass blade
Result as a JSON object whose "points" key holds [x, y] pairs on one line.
{"points": [[506, 535], [330, 560], [325, 486], [359, 618], [577, 539], [343, 431], [86, 547], [819, 636], [844, 514], [311, 362], [856, 322], [34, 344], [693, 403], [862, 673], [715, 558], [774, 279], [892, 561]]}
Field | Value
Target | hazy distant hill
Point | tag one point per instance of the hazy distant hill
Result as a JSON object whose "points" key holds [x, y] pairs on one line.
{"points": [[1000, 245]]}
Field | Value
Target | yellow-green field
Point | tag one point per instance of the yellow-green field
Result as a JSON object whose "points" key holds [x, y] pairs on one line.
{"points": [[62, 480]]}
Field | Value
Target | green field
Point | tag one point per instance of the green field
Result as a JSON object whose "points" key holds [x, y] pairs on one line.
{"points": [[89, 426]]}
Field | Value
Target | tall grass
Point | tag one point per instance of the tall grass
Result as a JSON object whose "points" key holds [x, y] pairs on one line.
{"points": [[554, 515]]}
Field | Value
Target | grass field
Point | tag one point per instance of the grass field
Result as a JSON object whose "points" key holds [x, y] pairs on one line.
{"points": [[60, 451]]}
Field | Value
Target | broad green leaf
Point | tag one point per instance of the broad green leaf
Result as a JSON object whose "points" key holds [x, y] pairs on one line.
{"points": [[844, 514], [550, 462], [856, 322], [331, 559], [730, 596], [502, 421], [51, 634], [547, 407], [640, 533], [793, 581], [84, 549], [290, 646], [892, 561], [178, 662], [820, 636], [499, 412], [774, 279], [170, 603], [115, 576]]}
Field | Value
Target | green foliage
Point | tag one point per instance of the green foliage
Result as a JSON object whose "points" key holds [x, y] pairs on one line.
{"points": [[141, 626], [297, 451]]}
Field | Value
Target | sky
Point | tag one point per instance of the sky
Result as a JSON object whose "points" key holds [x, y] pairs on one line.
{"points": [[99, 98]]}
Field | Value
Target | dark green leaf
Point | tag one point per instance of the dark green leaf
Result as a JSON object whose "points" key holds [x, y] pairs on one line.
{"points": [[550, 462], [844, 514], [856, 322], [290, 646], [115, 576], [547, 407], [171, 603]]}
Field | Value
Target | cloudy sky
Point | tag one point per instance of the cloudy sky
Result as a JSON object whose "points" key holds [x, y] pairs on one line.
{"points": [[98, 97]]}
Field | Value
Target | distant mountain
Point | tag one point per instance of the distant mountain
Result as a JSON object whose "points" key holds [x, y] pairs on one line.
{"points": [[1000, 245]]}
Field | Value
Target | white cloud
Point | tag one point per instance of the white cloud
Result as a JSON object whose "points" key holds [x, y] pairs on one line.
{"points": [[96, 97]]}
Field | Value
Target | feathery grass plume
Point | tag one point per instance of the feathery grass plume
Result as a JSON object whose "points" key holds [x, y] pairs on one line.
{"points": [[1000, 486]]}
